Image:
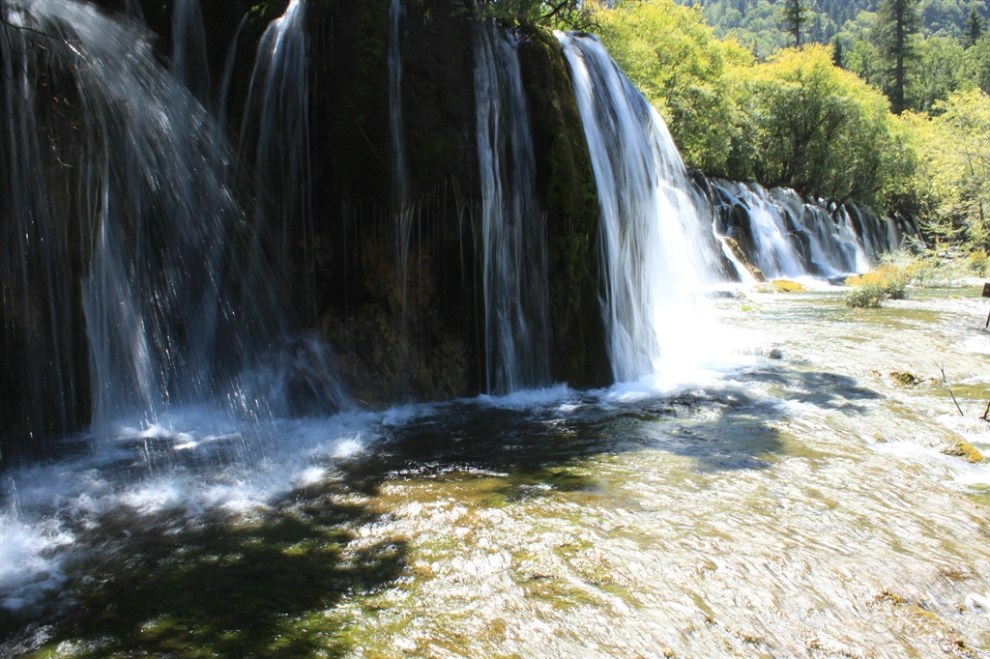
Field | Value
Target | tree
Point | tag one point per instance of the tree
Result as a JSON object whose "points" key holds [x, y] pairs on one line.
{"points": [[565, 14], [837, 58], [942, 64], [974, 27], [954, 170], [794, 17], [897, 23], [977, 64], [675, 59], [823, 131]]}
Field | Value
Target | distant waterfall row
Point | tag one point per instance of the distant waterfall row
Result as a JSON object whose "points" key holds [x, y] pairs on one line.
{"points": [[776, 233]]}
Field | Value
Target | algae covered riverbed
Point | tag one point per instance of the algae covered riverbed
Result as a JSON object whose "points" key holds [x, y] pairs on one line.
{"points": [[803, 498]]}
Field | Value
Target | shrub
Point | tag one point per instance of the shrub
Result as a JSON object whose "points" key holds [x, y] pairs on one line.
{"points": [[889, 281], [865, 296], [978, 263]]}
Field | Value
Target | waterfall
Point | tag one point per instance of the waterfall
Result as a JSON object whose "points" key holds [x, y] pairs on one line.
{"points": [[275, 149], [190, 64], [299, 375], [143, 187], [39, 254], [785, 235], [228, 72], [655, 252], [133, 9], [400, 167], [773, 250], [514, 271], [401, 207]]}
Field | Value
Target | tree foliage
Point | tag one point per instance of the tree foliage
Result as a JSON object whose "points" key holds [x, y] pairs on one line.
{"points": [[564, 14], [794, 20], [823, 131], [953, 174], [894, 31], [794, 120], [684, 70], [799, 120], [974, 27]]}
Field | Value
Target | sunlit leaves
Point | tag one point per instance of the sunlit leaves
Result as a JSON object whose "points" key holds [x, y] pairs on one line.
{"points": [[954, 167], [794, 120], [684, 70]]}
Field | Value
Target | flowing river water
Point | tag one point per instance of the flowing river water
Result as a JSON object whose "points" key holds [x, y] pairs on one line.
{"points": [[801, 496]]}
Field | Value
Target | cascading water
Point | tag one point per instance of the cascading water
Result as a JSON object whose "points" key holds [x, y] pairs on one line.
{"points": [[299, 376], [275, 147], [190, 64], [830, 242], [512, 235], [774, 251], [133, 9], [401, 207], [114, 175], [786, 236], [656, 257], [154, 206], [39, 253], [400, 167], [228, 72], [367, 532]]}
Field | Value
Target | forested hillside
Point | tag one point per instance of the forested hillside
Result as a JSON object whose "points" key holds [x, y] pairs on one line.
{"points": [[759, 24]]}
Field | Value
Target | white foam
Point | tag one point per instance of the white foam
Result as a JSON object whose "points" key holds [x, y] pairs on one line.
{"points": [[171, 471], [528, 398], [27, 569]]}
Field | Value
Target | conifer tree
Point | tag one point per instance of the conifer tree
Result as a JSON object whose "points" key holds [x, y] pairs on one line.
{"points": [[974, 27], [897, 22], [794, 17]]}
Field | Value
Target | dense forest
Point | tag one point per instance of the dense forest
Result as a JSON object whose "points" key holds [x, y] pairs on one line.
{"points": [[886, 104]]}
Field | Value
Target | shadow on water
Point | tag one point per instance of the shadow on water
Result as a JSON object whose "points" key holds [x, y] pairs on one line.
{"points": [[829, 391], [719, 429], [277, 583], [722, 428], [262, 587]]}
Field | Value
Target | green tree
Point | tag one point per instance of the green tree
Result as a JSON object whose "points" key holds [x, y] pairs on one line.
{"points": [[897, 23], [566, 14], [794, 18], [976, 64], [823, 131], [940, 71], [974, 27], [954, 168], [684, 70], [837, 58]]}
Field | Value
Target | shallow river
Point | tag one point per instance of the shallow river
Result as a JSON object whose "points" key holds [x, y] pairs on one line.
{"points": [[806, 496]]}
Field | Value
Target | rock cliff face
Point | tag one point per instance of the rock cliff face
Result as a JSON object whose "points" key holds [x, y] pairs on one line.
{"points": [[394, 285], [399, 285]]}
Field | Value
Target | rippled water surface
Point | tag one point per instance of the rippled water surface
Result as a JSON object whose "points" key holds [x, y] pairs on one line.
{"points": [[808, 495]]}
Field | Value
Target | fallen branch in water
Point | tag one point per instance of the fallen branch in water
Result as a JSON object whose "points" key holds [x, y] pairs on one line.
{"points": [[944, 382]]}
